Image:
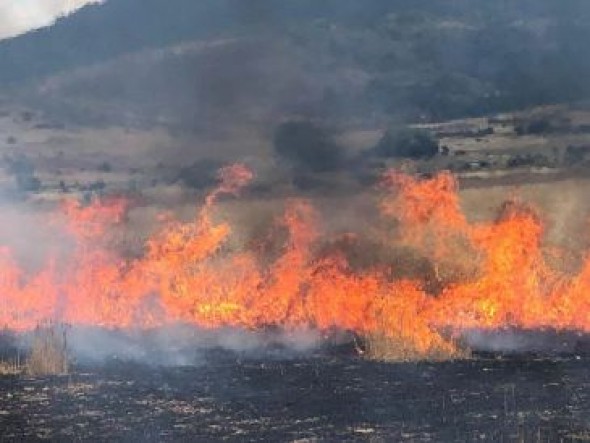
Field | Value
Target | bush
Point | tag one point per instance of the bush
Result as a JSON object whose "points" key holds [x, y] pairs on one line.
{"points": [[97, 186], [407, 143], [576, 155], [529, 160], [201, 174], [307, 146], [536, 126], [105, 167]]}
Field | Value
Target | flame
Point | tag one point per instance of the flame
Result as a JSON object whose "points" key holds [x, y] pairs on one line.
{"points": [[489, 275]]}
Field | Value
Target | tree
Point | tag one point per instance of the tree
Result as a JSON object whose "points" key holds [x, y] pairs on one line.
{"points": [[307, 146], [407, 143]]}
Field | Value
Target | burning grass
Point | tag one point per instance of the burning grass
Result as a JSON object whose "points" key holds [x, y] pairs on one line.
{"points": [[487, 275]]}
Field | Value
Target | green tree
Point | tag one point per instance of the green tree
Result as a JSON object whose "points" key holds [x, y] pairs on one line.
{"points": [[307, 146], [407, 143]]}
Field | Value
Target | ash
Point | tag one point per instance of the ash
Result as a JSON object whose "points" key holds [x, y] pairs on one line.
{"points": [[305, 398]]}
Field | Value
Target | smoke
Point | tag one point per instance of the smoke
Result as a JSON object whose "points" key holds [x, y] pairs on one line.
{"points": [[515, 341], [25, 231], [332, 71], [17, 17], [181, 344]]}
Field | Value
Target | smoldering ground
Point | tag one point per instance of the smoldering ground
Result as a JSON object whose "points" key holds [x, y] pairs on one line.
{"points": [[180, 345], [326, 399]]}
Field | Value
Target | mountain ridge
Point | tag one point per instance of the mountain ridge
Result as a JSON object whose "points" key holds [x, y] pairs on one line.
{"points": [[413, 60]]}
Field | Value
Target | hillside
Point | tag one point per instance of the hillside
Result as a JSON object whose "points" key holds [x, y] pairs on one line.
{"points": [[153, 96], [183, 63]]}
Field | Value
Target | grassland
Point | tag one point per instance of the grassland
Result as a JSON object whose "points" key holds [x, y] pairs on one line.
{"points": [[493, 158]]}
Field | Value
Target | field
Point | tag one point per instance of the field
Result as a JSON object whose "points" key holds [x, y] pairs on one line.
{"points": [[160, 170], [313, 398], [295, 221], [508, 149], [303, 397]]}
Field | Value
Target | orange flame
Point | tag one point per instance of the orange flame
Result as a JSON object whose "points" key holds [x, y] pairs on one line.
{"points": [[491, 275]]}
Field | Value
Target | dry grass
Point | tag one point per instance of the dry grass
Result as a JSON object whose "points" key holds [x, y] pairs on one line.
{"points": [[11, 367], [10, 356], [582, 436], [563, 205], [381, 347], [49, 351]]}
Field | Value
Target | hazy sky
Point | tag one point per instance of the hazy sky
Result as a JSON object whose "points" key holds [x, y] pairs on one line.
{"points": [[18, 16]]}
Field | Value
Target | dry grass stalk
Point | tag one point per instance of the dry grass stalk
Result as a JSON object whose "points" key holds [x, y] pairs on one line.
{"points": [[10, 355], [11, 367], [382, 347], [49, 351]]}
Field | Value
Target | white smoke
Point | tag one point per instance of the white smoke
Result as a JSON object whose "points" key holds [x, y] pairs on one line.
{"points": [[20, 16], [181, 345]]}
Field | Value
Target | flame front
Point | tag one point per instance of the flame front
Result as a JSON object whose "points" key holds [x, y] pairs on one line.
{"points": [[489, 275]]}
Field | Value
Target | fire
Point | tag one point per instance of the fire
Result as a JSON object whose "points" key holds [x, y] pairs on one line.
{"points": [[488, 275]]}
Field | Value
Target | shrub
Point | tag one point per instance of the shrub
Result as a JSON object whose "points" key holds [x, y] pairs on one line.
{"points": [[306, 146], [407, 143], [541, 125], [529, 160], [576, 155], [105, 167], [97, 186]]}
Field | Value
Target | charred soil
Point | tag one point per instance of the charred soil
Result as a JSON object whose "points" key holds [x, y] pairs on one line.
{"points": [[305, 399]]}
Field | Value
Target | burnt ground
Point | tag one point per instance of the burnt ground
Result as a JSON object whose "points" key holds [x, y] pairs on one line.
{"points": [[311, 398]]}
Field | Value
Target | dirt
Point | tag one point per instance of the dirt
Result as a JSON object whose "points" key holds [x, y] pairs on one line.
{"points": [[313, 398]]}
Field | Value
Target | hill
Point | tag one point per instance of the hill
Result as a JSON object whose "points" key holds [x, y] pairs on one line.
{"points": [[184, 63]]}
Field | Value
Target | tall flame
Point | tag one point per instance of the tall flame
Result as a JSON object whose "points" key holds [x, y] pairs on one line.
{"points": [[488, 275]]}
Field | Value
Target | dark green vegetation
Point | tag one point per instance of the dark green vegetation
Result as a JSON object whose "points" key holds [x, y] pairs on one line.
{"points": [[347, 60], [307, 147], [407, 143]]}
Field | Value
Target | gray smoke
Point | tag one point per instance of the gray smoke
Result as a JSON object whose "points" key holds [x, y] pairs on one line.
{"points": [[181, 344]]}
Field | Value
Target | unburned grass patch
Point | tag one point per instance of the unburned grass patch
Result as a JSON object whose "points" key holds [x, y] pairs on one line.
{"points": [[49, 351]]}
